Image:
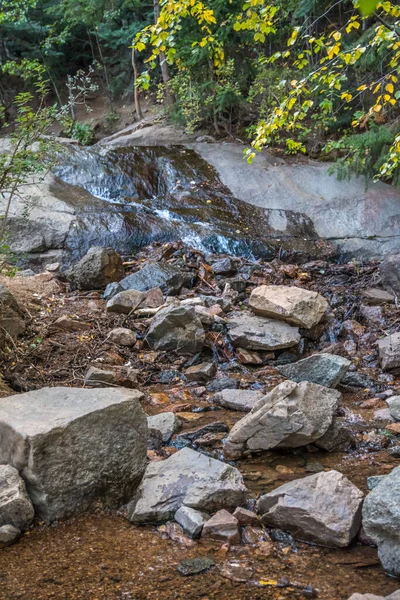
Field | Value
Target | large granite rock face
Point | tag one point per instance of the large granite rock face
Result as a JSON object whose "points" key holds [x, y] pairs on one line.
{"points": [[325, 369], [290, 416], [11, 315], [324, 508], [390, 274], [177, 328], [15, 506], [389, 352], [153, 275], [291, 304], [75, 446], [187, 478], [258, 333], [98, 268], [381, 520]]}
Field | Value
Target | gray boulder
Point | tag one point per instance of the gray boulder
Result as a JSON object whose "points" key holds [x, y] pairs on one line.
{"points": [[259, 333], [75, 446], [9, 535], [191, 521], [202, 372], [338, 438], [11, 315], [390, 274], [394, 596], [381, 520], [98, 268], [166, 423], [222, 527], [242, 400], [394, 407], [290, 416], [325, 369], [15, 505], [186, 478], [176, 328], [122, 336], [130, 300], [389, 351], [324, 508], [153, 275]]}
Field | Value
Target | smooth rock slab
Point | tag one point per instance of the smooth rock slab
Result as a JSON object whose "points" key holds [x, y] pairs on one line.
{"points": [[289, 303], [15, 505], [187, 478], [324, 369], [75, 446], [381, 520], [259, 333], [290, 416], [242, 400], [324, 508]]}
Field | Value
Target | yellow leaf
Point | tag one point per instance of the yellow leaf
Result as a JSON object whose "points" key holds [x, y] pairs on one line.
{"points": [[337, 35], [390, 88], [377, 108], [361, 88], [271, 582]]}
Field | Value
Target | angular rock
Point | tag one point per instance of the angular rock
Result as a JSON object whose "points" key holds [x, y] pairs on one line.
{"points": [[394, 407], [11, 315], [75, 446], [376, 297], [15, 505], [123, 376], [122, 336], [176, 328], [202, 372], [224, 266], [9, 535], [167, 423], [194, 566], [153, 275], [246, 517], [125, 302], [338, 438], [222, 527], [187, 478], [191, 521], [389, 351], [258, 333], [324, 508], [289, 303], [390, 274], [242, 400], [325, 369], [98, 268], [248, 357], [290, 416], [381, 520]]}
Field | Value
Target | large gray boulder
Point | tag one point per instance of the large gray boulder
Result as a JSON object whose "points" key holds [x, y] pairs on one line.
{"points": [[325, 369], [11, 315], [153, 275], [259, 333], [324, 508], [389, 351], [290, 416], [98, 268], [74, 446], [176, 328], [289, 303], [187, 478], [381, 520], [390, 274], [15, 506]]}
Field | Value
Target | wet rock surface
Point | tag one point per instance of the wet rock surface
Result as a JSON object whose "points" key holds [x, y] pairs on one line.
{"points": [[324, 369]]}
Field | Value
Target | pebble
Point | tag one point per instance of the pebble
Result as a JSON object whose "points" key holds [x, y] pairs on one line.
{"points": [[193, 566]]}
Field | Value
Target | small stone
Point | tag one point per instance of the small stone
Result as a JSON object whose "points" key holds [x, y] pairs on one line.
{"points": [[125, 377], [222, 527], [394, 406], [389, 352], [248, 357], [394, 428], [191, 521], [9, 535], [242, 400], [222, 383], [253, 535], [383, 415], [193, 566], [376, 297], [15, 505], [68, 324], [125, 302], [122, 337], [224, 266], [52, 267], [395, 451], [236, 573], [390, 274], [167, 423], [246, 517], [202, 372]]}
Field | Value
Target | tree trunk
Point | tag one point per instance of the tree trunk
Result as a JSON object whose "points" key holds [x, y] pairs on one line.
{"points": [[138, 108], [169, 98]]}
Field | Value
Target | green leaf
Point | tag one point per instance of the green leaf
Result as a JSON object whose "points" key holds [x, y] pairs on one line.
{"points": [[367, 7]]}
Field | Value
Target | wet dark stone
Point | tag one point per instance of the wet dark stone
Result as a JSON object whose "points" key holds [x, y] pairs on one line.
{"points": [[222, 383], [395, 452], [283, 538], [169, 376], [193, 566], [191, 436]]}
